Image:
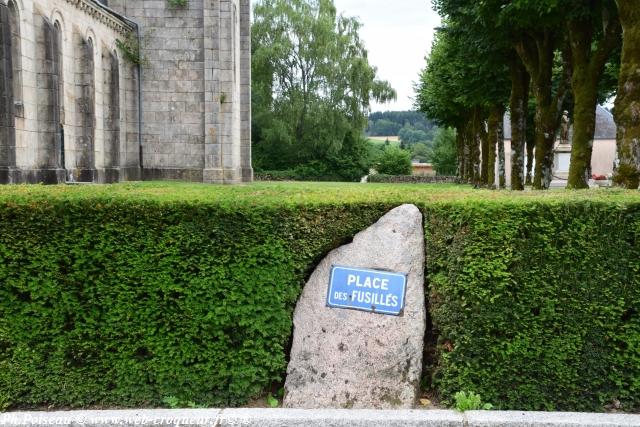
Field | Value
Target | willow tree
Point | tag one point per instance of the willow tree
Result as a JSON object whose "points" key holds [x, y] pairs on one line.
{"points": [[313, 83], [627, 107]]}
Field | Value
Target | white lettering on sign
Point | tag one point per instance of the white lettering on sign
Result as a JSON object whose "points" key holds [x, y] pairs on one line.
{"points": [[388, 300], [368, 282], [367, 290]]}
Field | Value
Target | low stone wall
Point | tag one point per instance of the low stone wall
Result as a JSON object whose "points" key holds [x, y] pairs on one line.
{"points": [[413, 179]]}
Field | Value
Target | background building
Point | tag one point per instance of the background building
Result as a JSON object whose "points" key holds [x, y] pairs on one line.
{"points": [[602, 159]]}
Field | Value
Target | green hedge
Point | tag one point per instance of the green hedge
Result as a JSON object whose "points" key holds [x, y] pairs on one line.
{"points": [[537, 306], [124, 295], [412, 179]]}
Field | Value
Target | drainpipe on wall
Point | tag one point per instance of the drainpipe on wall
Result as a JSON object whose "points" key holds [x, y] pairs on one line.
{"points": [[139, 71]]}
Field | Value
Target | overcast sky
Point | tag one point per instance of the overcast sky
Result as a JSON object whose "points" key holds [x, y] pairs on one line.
{"points": [[398, 35]]}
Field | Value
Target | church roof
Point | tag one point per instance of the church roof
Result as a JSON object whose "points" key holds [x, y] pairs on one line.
{"points": [[605, 125]]}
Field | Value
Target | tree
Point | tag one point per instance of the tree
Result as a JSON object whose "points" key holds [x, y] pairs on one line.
{"points": [[627, 107], [458, 88], [535, 30], [312, 83], [409, 135], [444, 152], [591, 45], [518, 105], [421, 152], [383, 127], [565, 46], [389, 123], [394, 161]]}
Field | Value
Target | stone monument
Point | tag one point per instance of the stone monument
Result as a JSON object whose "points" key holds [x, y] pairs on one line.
{"points": [[562, 153], [359, 324], [564, 128]]}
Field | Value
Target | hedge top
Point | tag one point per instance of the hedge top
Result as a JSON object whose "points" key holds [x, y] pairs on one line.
{"points": [[300, 193]]}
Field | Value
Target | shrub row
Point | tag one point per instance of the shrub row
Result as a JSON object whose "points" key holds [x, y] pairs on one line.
{"points": [[412, 179], [123, 300], [536, 306], [293, 175]]}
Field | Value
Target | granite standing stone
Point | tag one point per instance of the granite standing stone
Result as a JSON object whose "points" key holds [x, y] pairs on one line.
{"points": [[345, 358]]}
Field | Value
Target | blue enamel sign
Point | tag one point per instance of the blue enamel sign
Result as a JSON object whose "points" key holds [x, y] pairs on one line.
{"points": [[367, 290]]}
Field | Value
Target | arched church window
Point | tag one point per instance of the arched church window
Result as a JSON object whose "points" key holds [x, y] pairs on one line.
{"points": [[7, 109], [16, 55], [58, 92]]}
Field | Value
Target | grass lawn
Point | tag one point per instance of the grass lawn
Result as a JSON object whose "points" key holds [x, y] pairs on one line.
{"points": [[293, 193]]}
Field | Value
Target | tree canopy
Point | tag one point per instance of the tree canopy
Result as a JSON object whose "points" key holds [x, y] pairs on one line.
{"points": [[564, 54], [312, 87]]}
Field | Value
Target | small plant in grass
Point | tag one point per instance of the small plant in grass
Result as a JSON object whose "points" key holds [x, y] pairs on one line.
{"points": [[470, 402], [174, 403], [272, 401], [177, 4]]}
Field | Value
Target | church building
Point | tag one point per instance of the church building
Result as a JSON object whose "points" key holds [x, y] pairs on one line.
{"points": [[121, 90]]}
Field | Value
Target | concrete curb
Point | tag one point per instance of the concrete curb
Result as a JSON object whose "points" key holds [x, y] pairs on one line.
{"points": [[312, 418]]}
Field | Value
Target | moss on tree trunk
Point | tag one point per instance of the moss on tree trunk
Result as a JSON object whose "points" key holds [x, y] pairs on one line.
{"points": [[584, 124], [589, 56], [627, 108]]}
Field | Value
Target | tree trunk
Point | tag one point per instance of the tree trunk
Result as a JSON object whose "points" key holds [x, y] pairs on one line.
{"points": [[469, 140], [518, 105], [495, 116], [465, 154], [484, 172], [460, 150], [538, 54], [475, 147], [546, 126], [627, 111], [584, 125], [502, 178], [588, 67]]}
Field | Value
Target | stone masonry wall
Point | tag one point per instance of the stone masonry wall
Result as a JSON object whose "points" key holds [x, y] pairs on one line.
{"points": [[51, 44], [72, 108], [195, 88]]}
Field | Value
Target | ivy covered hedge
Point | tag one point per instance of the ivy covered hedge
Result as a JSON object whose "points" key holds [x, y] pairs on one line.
{"points": [[124, 295]]}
